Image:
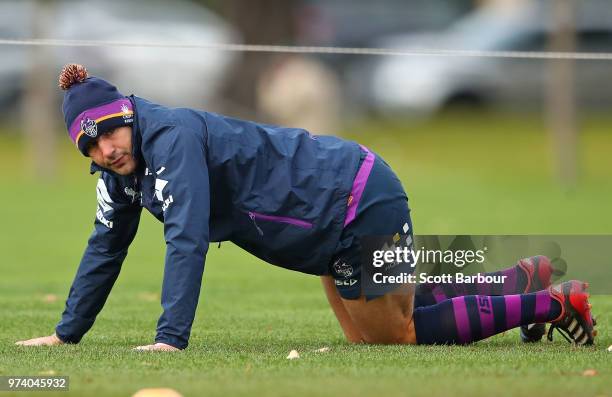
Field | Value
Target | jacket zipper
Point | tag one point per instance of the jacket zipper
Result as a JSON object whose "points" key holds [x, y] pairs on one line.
{"points": [[279, 219]]}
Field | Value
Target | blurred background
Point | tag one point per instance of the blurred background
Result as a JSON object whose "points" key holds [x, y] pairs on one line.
{"points": [[482, 145]]}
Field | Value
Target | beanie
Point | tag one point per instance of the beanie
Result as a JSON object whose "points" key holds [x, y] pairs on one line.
{"points": [[92, 106]]}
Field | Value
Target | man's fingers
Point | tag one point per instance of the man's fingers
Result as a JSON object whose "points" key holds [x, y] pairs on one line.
{"points": [[53, 340], [50, 340], [30, 342], [160, 347]]}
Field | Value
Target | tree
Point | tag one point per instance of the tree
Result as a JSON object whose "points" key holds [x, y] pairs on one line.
{"points": [[259, 22]]}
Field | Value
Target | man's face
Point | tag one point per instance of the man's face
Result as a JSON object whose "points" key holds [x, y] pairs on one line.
{"points": [[113, 151]]}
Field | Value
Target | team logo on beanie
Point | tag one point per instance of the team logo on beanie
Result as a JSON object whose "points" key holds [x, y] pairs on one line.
{"points": [[127, 113], [89, 127]]}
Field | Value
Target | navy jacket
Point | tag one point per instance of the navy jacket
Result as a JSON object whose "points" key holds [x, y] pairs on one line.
{"points": [[279, 193]]}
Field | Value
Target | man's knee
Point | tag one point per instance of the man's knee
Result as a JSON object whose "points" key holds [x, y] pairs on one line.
{"points": [[386, 319], [396, 333], [354, 341]]}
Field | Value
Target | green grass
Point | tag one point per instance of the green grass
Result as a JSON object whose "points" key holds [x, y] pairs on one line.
{"points": [[492, 174]]}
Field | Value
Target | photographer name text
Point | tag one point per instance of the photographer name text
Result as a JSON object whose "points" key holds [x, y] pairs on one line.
{"points": [[423, 278]]}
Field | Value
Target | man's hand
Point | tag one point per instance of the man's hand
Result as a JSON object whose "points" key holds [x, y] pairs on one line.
{"points": [[158, 347], [51, 340]]}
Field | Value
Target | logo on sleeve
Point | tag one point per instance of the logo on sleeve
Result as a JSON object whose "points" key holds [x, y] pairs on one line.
{"points": [[104, 203], [160, 184]]}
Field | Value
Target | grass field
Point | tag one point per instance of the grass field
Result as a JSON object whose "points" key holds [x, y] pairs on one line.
{"points": [[491, 174]]}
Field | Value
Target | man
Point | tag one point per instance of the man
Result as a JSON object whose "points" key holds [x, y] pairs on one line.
{"points": [[295, 200]]}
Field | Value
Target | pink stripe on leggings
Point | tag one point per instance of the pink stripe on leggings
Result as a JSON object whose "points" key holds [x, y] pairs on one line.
{"points": [[462, 320], [542, 307]]}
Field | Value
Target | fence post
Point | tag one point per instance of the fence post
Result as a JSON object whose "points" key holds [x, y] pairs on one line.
{"points": [[561, 95], [38, 110]]}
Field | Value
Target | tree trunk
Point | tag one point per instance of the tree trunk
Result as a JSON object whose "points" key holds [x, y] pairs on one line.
{"points": [[259, 22]]}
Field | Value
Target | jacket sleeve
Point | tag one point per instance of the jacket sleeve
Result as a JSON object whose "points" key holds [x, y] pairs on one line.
{"points": [[182, 187], [117, 218]]}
